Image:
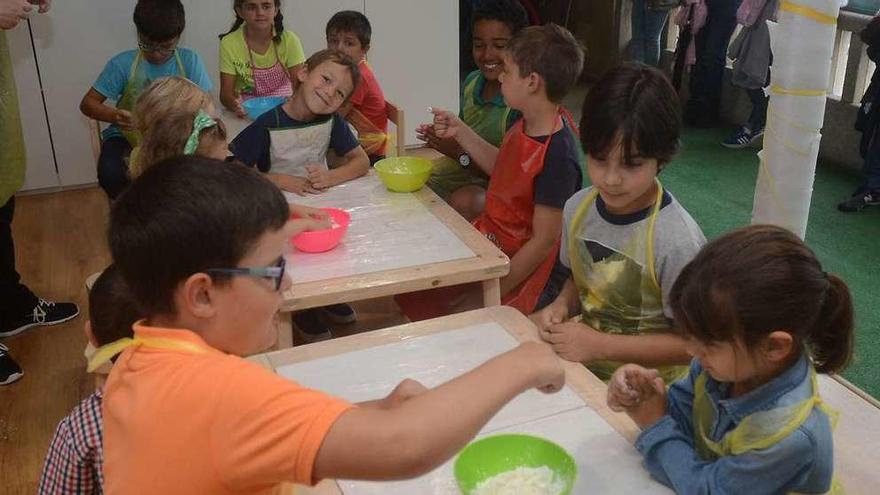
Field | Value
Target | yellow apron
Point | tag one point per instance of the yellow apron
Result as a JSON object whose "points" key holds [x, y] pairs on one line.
{"points": [[757, 431], [12, 150], [621, 294], [137, 82], [105, 354]]}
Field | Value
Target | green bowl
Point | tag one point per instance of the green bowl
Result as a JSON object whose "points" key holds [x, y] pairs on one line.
{"points": [[404, 173], [497, 454]]}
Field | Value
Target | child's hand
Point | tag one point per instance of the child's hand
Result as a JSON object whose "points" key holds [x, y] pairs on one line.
{"points": [[307, 212], [548, 375], [622, 393], [575, 341], [447, 146], [446, 124], [552, 315], [320, 177], [239, 110], [291, 183], [124, 120], [652, 404]]}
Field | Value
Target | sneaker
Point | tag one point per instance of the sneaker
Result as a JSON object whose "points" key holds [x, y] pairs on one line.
{"points": [[45, 313], [309, 326], [339, 314], [743, 138], [10, 371], [859, 201]]}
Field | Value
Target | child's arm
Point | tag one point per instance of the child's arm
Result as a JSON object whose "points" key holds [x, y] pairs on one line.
{"points": [[93, 106], [228, 96], [483, 153], [546, 230], [567, 303], [356, 164], [668, 446], [583, 344], [425, 431]]}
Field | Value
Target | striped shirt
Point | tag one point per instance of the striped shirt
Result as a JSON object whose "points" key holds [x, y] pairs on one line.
{"points": [[76, 455]]}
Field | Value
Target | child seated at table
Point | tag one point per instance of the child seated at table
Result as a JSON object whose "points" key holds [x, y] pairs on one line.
{"points": [[626, 238], [290, 142], [175, 117], [761, 319], [159, 24], [75, 458], [185, 414], [483, 109], [350, 32], [533, 174]]}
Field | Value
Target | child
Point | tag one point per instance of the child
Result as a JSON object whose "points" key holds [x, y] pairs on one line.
{"points": [[533, 174], [258, 57], [761, 319], [290, 145], [159, 25], [175, 117], [868, 123], [483, 109], [185, 414], [349, 32], [74, 462], [626, 238]]}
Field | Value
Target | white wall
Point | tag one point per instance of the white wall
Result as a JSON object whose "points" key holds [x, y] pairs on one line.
{"points": [[414, 54]]}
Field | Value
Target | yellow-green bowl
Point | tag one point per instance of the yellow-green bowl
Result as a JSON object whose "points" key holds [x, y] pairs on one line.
{"points": [[404, 173], [497, 454]]}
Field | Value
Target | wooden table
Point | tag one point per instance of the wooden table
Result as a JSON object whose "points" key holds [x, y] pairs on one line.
{"points": [[483, 261], [603, 439]]}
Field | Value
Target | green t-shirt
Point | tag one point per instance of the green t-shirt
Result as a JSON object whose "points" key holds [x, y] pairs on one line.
{"points": [[234, 57], [490, 119]]}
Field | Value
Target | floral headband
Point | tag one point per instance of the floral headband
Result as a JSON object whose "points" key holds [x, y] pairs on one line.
{"points": [[201, 122]]}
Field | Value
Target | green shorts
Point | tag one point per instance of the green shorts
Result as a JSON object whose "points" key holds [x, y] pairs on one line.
{"points": [[448, 176]]}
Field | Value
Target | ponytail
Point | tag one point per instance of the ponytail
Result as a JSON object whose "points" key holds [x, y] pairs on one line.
{"points": [[832, 335]]}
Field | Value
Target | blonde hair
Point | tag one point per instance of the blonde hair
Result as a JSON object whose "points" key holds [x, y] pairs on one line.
{"points": [[164, 116]]}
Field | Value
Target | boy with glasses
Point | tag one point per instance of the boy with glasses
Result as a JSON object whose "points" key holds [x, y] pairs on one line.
{"points": [[183, 413], [159, 25]]}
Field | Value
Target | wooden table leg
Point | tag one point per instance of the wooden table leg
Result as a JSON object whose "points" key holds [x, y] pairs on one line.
{"points": [[285, 332], [492, 293]]}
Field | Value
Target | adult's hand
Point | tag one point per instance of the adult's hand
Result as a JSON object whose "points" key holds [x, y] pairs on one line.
{"points": [[45, 5], [13, 11]]}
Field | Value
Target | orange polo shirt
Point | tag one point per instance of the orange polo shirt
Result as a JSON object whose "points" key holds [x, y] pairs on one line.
{"points": [[195, 420]]}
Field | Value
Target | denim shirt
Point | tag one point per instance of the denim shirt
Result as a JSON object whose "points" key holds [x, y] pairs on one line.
{"points": [[800, 462]]}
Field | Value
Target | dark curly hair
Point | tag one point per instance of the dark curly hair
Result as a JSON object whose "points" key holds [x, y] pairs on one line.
{"points": [[509, 12]]}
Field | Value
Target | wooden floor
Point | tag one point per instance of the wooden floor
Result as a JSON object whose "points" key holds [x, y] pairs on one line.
{"points": [[60, 240]]}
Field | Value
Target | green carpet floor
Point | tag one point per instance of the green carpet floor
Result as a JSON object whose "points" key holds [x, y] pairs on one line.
{"points": [[717, 187]]}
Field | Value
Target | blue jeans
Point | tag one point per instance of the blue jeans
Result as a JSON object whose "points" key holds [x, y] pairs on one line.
{"points": [[871, 170], [647, 26], [708, 73]]}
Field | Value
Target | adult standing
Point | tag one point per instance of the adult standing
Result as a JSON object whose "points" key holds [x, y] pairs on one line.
{"points": [[648, 19], [710, 42], [20, 309]]}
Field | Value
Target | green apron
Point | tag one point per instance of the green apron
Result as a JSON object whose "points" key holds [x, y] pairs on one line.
{"points": [[12, 150], [137, 82], [621, 294]]}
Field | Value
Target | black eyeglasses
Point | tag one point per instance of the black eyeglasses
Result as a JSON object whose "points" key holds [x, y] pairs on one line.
{"points": [[274, 272], [158, 49]]}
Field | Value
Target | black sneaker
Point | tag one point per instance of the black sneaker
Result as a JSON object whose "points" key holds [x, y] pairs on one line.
{"points": [[309, 326], [45, 313], [859, 201], [339, 314], [10, 371]]}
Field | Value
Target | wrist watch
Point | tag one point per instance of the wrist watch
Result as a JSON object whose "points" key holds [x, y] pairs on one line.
{"points": [[464, 160]]}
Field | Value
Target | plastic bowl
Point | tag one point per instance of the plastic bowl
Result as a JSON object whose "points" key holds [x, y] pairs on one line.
{"points": [[260, 105], [404, 173], [497, 454], [319, 241]]}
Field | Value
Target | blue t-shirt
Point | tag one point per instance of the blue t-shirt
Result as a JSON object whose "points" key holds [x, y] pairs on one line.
{"points": [[252, 145], [113, 79], [561, 176]]}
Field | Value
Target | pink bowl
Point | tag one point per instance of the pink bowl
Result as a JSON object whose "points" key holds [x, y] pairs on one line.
{"points": [[319, 241]]}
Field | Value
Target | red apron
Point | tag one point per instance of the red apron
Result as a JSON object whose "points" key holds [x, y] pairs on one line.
{"points": [[506, 221]]}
